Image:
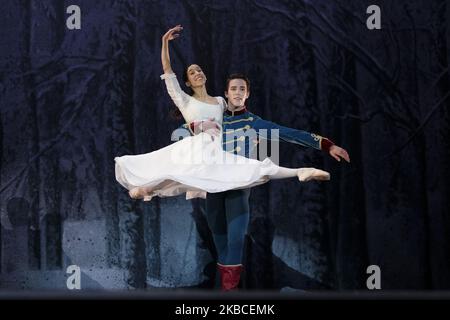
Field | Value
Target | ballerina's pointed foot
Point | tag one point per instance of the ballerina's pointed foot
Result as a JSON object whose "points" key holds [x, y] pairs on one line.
{"points": [[307, 174], [140, 193], [135, 193]]}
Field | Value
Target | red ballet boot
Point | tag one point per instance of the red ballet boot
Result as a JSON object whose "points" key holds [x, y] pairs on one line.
{"points": [[230, 276]]}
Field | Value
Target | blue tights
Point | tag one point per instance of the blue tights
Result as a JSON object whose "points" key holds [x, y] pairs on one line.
{"points": [[228, 216]]}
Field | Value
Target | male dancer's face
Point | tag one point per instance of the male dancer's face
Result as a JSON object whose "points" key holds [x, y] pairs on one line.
{"points": [[237, 94]]}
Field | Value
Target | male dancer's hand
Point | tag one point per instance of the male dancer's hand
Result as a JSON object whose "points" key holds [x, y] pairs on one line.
{"points": [[338, 153]]}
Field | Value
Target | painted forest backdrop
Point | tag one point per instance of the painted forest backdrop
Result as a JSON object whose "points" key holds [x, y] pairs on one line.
{"points": [[72, 100]]}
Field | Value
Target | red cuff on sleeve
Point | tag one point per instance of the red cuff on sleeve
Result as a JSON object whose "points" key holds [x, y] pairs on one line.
{"points": [[326, 144], [191, 125]]}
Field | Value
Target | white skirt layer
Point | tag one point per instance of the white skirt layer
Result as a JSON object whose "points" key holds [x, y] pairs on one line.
{"points": [[194, 165]]}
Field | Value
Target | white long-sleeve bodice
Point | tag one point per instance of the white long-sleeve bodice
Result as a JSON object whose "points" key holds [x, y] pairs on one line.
{"points": [[191, 108]]}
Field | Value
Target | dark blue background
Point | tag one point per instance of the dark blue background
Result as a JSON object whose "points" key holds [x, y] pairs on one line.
{"points": [[72, 100]]}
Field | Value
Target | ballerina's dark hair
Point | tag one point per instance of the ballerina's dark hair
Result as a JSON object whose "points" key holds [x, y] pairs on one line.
{"points": [[175, 113]]}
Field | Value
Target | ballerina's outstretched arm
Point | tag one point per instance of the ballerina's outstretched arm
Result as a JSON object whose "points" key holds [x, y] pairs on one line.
{"points": [[173, 33], [179, 97]]}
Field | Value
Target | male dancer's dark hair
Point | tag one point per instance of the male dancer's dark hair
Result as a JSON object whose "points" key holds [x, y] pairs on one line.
{"points": [[238, 76]]}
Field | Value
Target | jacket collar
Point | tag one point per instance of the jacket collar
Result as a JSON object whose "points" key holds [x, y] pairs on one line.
{"points": [[236, 113]]}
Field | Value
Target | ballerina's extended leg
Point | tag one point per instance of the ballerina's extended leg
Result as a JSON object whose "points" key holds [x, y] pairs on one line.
{"points": [[303, 174], [306, 174]]}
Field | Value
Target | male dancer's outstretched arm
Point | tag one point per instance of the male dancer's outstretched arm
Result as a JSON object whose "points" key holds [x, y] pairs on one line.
{"points": [[237, 118], [301, 137]]}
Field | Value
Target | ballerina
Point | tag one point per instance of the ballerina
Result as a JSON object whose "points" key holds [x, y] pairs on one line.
{"points": [[197, 164]]}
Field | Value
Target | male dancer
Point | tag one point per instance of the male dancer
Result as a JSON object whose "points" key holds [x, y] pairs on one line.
{"points": [[228, 212]]}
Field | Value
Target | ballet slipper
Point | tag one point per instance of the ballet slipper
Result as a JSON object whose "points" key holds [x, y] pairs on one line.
{"points": [[135, 193], [307, 174], [147, 198], [140, 193]]}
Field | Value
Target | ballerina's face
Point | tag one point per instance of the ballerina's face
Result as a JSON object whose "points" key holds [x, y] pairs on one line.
{"points": [[195, 76]]}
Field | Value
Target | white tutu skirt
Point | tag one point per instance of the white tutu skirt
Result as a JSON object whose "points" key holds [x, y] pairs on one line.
{"points": [[194, 165]]}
